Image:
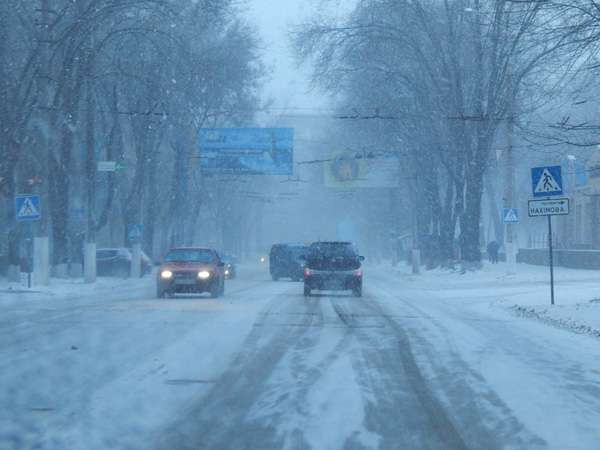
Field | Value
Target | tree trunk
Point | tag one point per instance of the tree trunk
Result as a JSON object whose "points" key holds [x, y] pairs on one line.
{"points": [[447, 225], [470, 221], [59, 210], [152, 203], [495, 210], [14, 236], [178, 188], [90, 164]]}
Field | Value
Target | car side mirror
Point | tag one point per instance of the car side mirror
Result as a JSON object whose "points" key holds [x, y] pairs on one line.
{"points": [[361, 258]]}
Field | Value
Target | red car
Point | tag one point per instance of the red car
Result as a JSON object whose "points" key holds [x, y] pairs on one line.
{"points": [[190, 270]]}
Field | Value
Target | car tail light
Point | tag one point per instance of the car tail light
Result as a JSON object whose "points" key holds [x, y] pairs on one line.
{"points": [[307, 272], [358, 273]]}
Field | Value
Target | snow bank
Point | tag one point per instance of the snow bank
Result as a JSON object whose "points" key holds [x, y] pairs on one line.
{"points": [[70, 289], [523, 291]]}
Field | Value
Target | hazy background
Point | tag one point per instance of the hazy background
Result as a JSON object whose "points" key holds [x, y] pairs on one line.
{"points": [[289, 85]]}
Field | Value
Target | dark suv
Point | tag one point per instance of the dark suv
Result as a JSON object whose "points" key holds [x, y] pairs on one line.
{"points": [[333, 266], [287, 261]]}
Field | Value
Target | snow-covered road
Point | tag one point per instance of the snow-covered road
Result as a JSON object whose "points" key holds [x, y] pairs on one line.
{"points": [[411, 365]]}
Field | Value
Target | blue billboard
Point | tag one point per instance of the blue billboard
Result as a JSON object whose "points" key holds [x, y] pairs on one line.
{"points": [[247, 151]]}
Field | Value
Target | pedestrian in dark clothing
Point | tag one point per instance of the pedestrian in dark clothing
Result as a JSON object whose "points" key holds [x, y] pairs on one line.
{"points": [[492, 249]]}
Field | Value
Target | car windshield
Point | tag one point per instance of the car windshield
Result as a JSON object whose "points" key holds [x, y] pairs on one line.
{"points": [[190, 255], [333, 250], [333, 256]]}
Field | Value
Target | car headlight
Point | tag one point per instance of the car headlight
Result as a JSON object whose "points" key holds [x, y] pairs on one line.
{"points": [[226, 271], [204, 274], [166, 274]]}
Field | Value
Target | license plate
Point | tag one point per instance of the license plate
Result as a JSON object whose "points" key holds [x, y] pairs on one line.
{"points": [[185, 281]]}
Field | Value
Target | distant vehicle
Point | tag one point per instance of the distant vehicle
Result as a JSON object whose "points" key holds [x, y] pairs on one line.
{"points": [[333, 266], [287, 261], [191, 270], [230, 262], [116, 262]]}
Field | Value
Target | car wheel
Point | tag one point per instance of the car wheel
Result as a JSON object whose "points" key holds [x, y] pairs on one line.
{"points": [[307, 291], [357, 291], [274, 277], [222, 287], [163, 293]]}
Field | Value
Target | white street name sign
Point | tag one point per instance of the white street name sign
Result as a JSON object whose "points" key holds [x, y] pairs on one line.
{"points": [[549, 207], [107, 166]]}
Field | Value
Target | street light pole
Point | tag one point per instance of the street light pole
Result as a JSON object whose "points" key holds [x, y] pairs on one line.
{"points": [[509, 179]]}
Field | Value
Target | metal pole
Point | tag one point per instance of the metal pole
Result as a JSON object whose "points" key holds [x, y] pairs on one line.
{"points": [[551, 260], [29, 253], [509, 180]]}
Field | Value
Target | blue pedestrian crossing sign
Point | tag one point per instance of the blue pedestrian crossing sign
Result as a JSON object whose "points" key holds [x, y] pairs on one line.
{"points": [[546, 181], [135, 231], [510, 215], [27, 208]]}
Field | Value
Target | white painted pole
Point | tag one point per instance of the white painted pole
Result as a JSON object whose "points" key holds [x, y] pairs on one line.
{"points": [[89, 262], [41, 261], [416, 261], [136, 260], [511, 256]]}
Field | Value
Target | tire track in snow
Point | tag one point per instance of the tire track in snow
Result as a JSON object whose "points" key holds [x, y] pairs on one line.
{"points": [[220, 420], [484, 419], [402, 409]]}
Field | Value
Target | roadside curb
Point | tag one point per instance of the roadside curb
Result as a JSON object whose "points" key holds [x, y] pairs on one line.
{"points": [[542, 315]]}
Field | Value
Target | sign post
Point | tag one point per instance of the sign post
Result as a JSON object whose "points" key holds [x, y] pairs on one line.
{"points": [[29, 259], [510, 217], [27, 208], [547, 182], [551, 260]]}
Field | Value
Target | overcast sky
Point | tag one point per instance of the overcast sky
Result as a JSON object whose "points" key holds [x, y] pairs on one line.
{"points": [[289, 86]]}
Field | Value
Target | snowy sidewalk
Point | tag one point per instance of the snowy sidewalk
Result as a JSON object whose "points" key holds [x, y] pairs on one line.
{"points": [[71, 289], [524, 292]]}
